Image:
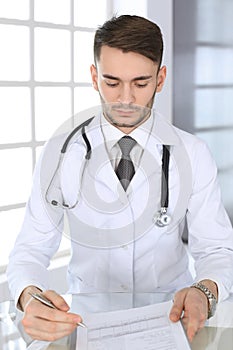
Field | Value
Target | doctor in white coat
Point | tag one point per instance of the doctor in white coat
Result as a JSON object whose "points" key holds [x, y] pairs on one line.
{"points": [[116, 243]]}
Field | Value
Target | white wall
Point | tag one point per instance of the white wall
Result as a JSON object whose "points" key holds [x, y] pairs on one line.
{"points": [[130, 7], [161, 12]]}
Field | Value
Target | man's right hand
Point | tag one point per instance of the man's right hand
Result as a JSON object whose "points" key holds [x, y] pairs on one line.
{"points": [[44, 323]]}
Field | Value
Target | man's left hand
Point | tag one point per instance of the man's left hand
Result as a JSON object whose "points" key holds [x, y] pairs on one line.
{"points": [[191, 305]]}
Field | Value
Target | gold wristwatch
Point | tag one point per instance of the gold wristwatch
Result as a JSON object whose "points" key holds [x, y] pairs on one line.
{"points": [[212, 301]]}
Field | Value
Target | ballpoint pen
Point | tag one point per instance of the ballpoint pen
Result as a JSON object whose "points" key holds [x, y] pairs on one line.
{"points": [[47, 302]]}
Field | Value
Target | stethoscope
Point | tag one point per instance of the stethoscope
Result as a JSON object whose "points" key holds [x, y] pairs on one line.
{"points": [[161, 218]]}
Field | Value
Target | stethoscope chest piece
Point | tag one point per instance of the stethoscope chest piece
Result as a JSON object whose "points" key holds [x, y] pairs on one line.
{"points": [[161, 218]]}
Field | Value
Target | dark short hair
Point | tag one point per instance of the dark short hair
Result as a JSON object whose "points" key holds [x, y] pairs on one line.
{"points": [[130, 34]]}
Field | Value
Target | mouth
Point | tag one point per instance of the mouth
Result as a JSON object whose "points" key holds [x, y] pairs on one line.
{"points": [[124, 112]]}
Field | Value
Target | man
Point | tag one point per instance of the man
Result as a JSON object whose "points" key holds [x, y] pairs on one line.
{"points": [[116, 246]]}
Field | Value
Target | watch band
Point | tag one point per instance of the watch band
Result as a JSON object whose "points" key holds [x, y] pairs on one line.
{"points": [[212, 301]]}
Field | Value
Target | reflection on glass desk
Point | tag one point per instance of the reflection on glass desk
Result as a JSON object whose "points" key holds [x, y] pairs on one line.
{"points": [[216, 335]]}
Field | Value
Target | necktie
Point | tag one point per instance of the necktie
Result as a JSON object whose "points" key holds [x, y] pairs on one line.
{"points": [[125, 170]]}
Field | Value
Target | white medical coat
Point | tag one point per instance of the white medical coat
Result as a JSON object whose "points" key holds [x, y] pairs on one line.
{"points": [[115, 244]]}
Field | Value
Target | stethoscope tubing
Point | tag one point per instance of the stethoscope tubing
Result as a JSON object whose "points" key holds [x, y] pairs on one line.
{"points": [[161, 218]]}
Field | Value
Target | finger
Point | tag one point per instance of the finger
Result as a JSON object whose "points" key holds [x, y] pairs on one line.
{"points": [[58, 301], [44, 323], [190, 329], [196, 319], [41, 311], [178, 305], [195, 313], [46, 330]]}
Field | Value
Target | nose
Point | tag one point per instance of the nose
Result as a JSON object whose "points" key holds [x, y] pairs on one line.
{"points": [[126, 94]]}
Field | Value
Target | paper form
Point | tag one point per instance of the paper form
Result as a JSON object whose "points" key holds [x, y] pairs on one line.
{"points": [[143, 328]]}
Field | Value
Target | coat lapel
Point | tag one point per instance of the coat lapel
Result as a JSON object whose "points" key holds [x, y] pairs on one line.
{"points": [[162, 133], [99, 168]]}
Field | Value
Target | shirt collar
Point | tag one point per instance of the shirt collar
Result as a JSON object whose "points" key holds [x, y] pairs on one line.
{"points": [[164, 133], [112, 134]]}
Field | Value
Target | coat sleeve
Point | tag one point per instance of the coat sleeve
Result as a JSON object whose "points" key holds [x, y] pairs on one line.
{"points": [[40, 234], [210, 230]]}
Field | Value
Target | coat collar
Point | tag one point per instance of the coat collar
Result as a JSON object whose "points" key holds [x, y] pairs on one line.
{"points": [[101, 170], [163, 132]]}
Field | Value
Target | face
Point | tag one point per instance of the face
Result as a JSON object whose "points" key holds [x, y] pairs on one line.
{"points": [[127, 83]]}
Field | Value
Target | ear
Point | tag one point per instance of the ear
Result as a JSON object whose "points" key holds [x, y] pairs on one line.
{"points": [[94, 77], [161, 78]]}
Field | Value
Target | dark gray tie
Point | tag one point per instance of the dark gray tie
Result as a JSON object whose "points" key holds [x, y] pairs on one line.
{"points": [[125, 170]]}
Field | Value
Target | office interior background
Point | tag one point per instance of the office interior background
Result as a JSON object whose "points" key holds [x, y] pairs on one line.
{"points": [[46, 51]]}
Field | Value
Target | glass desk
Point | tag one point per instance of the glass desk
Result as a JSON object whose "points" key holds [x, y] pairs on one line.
{"points": [[216, 335]]}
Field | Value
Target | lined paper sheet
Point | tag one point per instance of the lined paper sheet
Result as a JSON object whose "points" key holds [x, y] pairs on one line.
{"points": [[143, 328]]}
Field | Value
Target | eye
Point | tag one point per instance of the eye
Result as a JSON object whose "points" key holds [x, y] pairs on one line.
{"points": [[141, 85], [111, 84]]}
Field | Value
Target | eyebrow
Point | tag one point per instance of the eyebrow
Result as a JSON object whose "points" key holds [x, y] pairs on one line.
{"points": [[142, 77]]}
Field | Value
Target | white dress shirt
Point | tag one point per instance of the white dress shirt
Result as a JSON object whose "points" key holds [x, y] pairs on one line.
{"points": [[112, 135]]}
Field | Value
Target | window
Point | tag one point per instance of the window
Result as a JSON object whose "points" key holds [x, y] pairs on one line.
{"points": [[213, 118], [46, 51], [203, 80]]}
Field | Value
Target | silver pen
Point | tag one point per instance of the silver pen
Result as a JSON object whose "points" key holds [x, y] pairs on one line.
{"points": [[47, 302]]}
